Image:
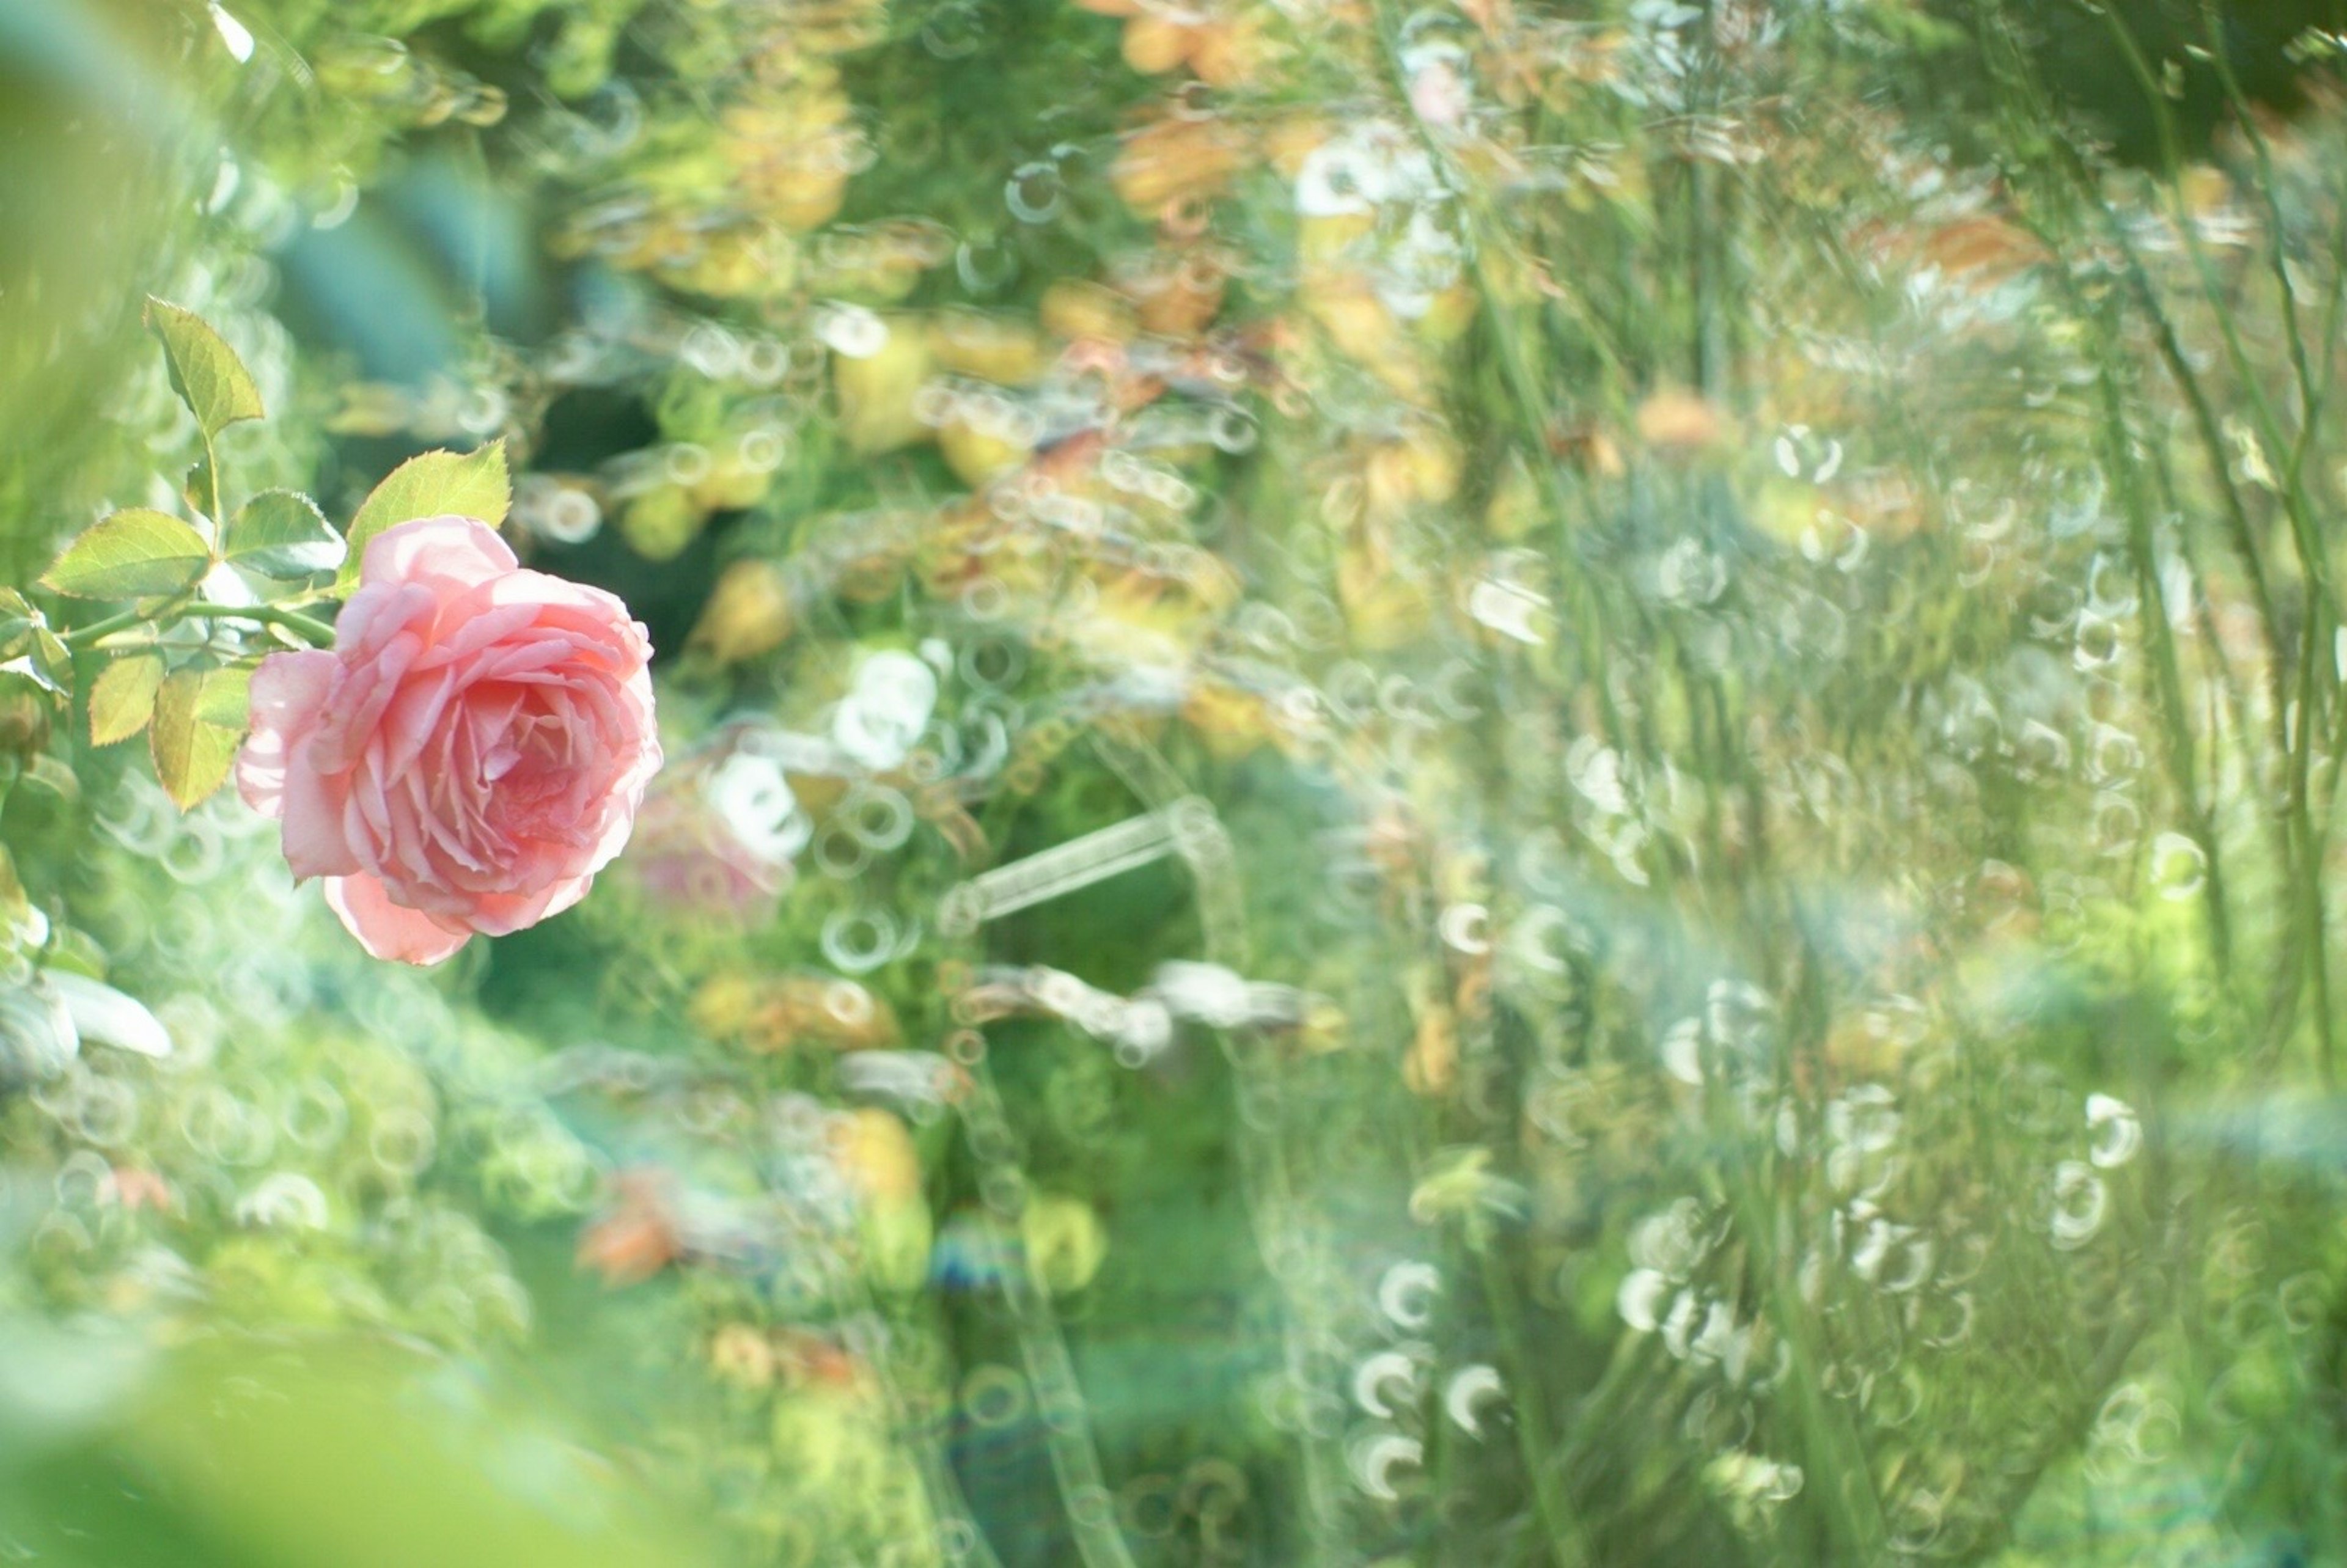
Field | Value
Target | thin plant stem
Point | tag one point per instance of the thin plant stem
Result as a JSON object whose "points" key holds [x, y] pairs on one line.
{"points": [[2164, 676], [317, 633]]}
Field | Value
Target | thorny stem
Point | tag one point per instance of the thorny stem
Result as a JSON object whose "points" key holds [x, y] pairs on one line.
{"points": [[90, 634], [315, 632], [212, 478]]}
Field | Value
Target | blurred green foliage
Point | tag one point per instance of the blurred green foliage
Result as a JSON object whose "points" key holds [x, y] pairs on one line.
{"points": [[1496, 783]]}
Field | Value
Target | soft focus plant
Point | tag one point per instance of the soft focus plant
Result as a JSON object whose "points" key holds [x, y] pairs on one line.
{"points": [[1447, 783]]}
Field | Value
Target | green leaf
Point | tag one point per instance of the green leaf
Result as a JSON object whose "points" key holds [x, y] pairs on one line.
{"points": [[52, 656], [26, 669], [17, 617], [200, 719], [281, 534], [227, 699], [195, 490], [435, 483], [133, 554], [205, 370], [122, 698], [29, 647]]}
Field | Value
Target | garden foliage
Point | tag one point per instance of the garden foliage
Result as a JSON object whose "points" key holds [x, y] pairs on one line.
{"points": [[1498, 783]]}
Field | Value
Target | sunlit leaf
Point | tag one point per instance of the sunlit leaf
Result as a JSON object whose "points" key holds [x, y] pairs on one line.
{"points": [[205, 370], [133, 554], [197, 487], [17, 617], [28, 670], [435, 483], [282, 534], [122, 698], [200, 718], [52, 657]]}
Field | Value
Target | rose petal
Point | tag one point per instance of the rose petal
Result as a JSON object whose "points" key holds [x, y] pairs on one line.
{"points": [[414, 716], [376, 615], [573, 604], [389, 930], [498, 913], [288, 692], [313, 806], [473, 627], [368, 687], [448, 554]]}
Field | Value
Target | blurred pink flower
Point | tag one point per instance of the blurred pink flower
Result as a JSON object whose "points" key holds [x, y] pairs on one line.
{"points": [[718, 833], [1439, 95], [467, 755]]}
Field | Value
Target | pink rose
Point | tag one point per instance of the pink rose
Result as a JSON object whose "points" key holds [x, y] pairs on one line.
{"points": [[469, 753]]}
